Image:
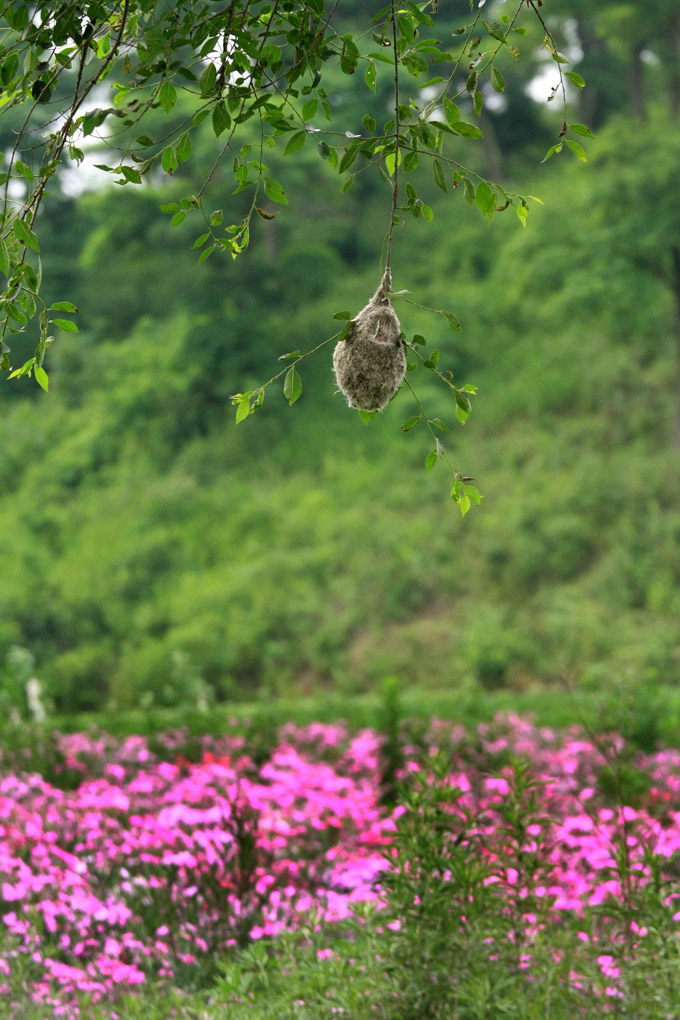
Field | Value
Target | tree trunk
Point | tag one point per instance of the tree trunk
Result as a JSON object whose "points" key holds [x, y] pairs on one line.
{"points": [[674, 80], [636, 82], [270, 240], [493, 157], [590, 100], [675, 279]]}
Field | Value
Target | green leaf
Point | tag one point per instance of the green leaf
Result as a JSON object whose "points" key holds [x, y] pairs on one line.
{"points": [[452, 321], [206, 82], [438, 423], [31, 278], [522, 212], [178, 218], [551, 151], [64, 306], [474, 494], [41, 91], [295, 143], [430, 81], [497, 80], [577, 149], [206, 253], [4, 259], [273, 190], [130, 174], [292, 386], [406, 29], [10, 68], [581, 129], [167, 96], [169, 160], [23, 170], [410, 422], [420, 16], [14, 311], [427, 213], [184, 148], [342, 315], [478, 100], [310, 108], [16, 16], [410, 162], [367, 416], [349, 157], [495, 29], [575, 79], [485, 197], [451, 111], [439, 179], [371, 75], [24, 370], [242, 409], [41, 377], [466, 130], [464, 504], [220, 118], [24, 234], [462, 414], [431, 459], [380, 56], [66, 325], [290, 355]]}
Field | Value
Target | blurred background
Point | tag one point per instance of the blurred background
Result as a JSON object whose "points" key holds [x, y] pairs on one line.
{"points": [[157, 557]]}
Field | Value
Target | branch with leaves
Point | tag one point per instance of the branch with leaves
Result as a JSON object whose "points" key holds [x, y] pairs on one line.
{"points": [[101, 75]]}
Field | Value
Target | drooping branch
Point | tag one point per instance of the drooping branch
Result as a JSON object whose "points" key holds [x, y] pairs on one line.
{"points": [[395, 186]]}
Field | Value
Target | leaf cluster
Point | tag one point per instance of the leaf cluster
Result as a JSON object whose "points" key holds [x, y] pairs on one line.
{"points": [[236, 67]]}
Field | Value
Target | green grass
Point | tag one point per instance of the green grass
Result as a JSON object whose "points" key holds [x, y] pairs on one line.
{"points": [[644, 717]]}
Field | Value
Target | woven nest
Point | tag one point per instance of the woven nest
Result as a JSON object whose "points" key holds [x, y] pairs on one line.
{"points": [[370, 363]]}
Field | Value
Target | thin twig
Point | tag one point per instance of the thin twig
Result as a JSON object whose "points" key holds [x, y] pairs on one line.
{"points": [[395, 188], [551, 40], [227, 144], [441, 452]]}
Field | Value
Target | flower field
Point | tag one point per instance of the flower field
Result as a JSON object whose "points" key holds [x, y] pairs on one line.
{"points": [[137, 865]]}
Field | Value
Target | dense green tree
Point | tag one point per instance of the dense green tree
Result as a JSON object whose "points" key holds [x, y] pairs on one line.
{"points": [[143, 555], [629, 51], [141, 532], [265, 77], [142, 76]]}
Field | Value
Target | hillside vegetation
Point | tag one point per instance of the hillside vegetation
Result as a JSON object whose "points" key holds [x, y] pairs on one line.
{"points": [[156, 553]]}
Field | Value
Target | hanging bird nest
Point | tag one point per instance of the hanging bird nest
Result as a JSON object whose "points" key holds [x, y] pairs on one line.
{"points": [[370, 363]]}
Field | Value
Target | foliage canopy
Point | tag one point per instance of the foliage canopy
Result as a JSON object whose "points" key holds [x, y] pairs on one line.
{"points": [[136, 532], [133, 80]]}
